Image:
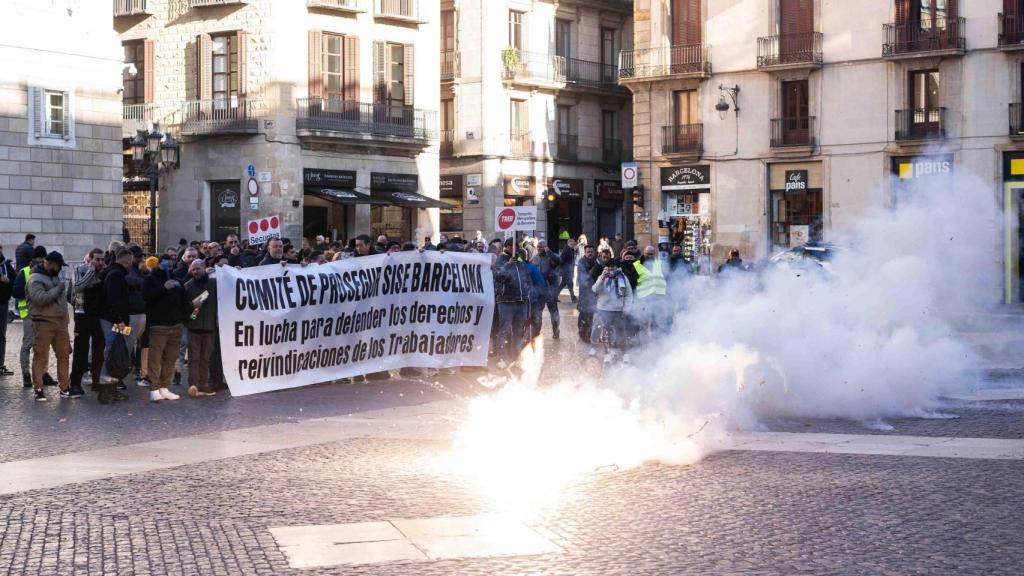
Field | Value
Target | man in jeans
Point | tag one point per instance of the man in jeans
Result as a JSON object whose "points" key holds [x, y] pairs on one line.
{"points": [[512, 285], [550, 265], [165, 314], [87, 293], [49, 311]]}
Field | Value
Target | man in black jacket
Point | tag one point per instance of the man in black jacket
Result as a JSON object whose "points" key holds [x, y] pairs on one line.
{"points": [[550, 266], [114, 312], [87, 296], [25, 251], [201, 294], [166, 310], [511, 290], [7, 277], [275, 252]]}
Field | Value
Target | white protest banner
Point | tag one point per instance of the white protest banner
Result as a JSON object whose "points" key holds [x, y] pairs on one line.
{"points": [[263, 229], [284, 327], [515, 218]]}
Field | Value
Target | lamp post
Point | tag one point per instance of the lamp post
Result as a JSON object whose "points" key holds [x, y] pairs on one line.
{"points": [[154, 155], [723, 105]]}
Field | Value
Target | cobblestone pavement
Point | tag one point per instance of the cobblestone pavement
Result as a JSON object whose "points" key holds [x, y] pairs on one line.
{"points": [[732, 513]]}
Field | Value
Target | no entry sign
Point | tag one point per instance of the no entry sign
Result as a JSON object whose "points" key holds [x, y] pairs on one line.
{"points": [[515, 218], [264, 229], [629, 179]]}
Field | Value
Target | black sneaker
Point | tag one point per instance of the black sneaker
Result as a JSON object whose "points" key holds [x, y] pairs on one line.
{"points": [[48, 380], [26, 381], [65, 393], [5, 371], [177, 378], [121, 385], [40, 397], [76, 392]]}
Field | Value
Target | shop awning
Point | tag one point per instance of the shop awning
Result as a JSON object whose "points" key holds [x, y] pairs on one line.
{"points": [[344, 196], [408, 199]]}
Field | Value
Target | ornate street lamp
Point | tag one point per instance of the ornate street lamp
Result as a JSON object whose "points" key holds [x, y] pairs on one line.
{"points": [[723, 105], [153, 155]]}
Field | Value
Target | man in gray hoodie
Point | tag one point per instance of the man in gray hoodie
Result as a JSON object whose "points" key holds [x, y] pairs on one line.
{"points": [[48, 308], [614, 295]]}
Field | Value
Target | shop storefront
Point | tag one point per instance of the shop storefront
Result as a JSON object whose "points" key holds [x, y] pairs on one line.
{"points": [[395, 220], [686, 194], [520, 190], [452, 190], [608, 198], [329, 201], [1013, 214], [564, 207], [913, 175], [796, 204]]}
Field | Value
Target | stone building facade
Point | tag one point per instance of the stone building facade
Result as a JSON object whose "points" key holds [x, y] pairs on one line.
{"points": [[60, 126], [841, 107], [531, 113], [332, 103]]}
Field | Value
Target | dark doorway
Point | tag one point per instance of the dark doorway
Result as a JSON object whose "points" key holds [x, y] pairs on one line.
{"points": [[225, 213], [315, 221], [796, 123], [565, 214]]}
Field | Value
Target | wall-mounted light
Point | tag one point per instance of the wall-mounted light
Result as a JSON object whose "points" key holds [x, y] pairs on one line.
{"points": [[723, 104]]}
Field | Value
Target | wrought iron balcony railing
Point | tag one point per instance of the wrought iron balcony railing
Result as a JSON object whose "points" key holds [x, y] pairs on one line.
{"points": [[789, 50], [682, 139], [205, 3], [568, 147], [587, 74], [344, 5], [524, 66], [130, 8], [1011, 30], [682, 60], [451, 65], [520, 143], [402, 9], [931, 35], [921, 124], [793, 131], [377, 120], [137, 117], [447, 143], [219, 116]]}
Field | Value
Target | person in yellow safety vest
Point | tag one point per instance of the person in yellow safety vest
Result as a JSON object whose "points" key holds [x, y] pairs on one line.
{"points": [[651, 290]]}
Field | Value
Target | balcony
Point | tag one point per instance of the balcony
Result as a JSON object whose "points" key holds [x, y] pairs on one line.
{"points": [[447, 143], [348, 6], [568, 147], [1011, 31], [334, 119], [683, 139], [938, 37], [137, 117], [613, 152], [451, 65], [208, 3], [920, 124], [407, 11], [587, 75], [533, 68], [789, 51], [218, 117], [131, 8], [520, 143], [684, 61], [793, 132]]}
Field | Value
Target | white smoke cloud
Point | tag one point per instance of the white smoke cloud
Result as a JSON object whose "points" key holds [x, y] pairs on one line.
{"points": [[874, 335]]}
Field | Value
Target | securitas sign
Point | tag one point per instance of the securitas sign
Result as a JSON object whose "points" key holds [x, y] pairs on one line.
{"points": [[696, 177], [796, 181]]}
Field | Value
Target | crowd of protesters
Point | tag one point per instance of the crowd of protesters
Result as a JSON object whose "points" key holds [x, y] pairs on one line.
{"points": [[165, 304]]}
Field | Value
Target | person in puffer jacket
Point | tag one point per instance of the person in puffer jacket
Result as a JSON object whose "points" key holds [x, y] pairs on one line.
{"points": [[48, 308], [614, 295]]}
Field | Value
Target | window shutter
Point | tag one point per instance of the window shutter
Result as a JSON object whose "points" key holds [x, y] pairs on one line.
{"points": [[243, 57], [148, 65], [1010, 7], [316, 78], [686, 22], [204, 67], [38, 116], [380, 80], [68, 117], [410, 77], [902, 11], [351, 86]]}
